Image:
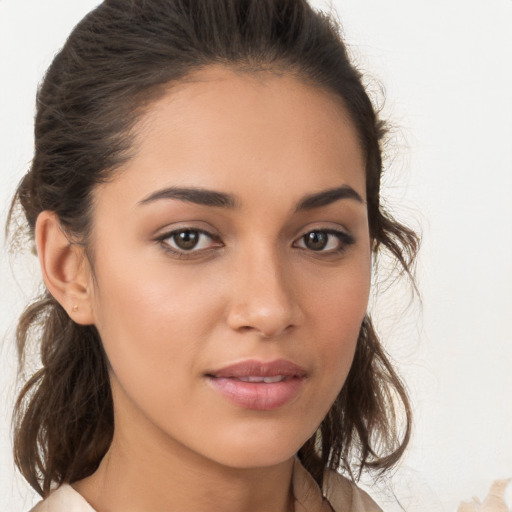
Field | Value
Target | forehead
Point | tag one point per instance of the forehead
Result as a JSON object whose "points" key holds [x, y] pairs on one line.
{"points": [[245, 132]]}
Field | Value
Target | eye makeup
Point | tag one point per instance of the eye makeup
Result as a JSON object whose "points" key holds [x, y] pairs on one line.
{"points": [[191, 242]]}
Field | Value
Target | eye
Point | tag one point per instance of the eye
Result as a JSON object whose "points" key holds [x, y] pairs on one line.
{"points": [[188, 240], [325, 240]]}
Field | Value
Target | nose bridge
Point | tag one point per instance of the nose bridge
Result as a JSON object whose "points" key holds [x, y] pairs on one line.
{"points": [[262, 299]]}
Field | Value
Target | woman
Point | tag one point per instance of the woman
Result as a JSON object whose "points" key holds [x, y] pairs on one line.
{"points": [[204, 198]]}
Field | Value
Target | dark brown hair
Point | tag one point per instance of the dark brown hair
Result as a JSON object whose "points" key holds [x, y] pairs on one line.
{"points": [[118, 59]]}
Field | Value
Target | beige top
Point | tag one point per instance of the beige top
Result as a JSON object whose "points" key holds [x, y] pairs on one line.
{"points": [[341, 495]]}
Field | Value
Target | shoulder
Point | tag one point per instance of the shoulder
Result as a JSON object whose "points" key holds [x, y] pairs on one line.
{"points": [[343, 494], [63, 499]]}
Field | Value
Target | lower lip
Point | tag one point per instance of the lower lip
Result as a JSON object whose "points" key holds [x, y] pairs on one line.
{"points": [[258, 396]]}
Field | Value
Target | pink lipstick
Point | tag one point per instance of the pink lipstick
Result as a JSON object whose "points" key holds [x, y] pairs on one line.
{"points": [[257, 385]]}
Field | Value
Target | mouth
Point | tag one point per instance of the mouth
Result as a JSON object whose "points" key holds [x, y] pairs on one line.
{"points": [[258, 371], [258, 385], [265, 380]]}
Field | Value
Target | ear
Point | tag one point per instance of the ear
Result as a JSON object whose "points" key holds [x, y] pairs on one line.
{"points": [[66, 270]]}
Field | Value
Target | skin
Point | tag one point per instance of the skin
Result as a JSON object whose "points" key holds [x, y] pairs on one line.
{"points": [[254, 290]]}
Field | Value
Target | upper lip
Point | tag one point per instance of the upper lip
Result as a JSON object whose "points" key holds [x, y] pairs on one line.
{"points": [[254, 368]]}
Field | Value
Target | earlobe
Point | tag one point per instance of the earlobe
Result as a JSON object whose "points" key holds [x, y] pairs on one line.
{"points": [[65, 268]]}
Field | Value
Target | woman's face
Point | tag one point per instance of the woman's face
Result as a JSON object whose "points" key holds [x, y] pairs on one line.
{"points": [[232, 267]]}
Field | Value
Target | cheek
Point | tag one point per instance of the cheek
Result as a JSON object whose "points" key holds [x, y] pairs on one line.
{"points": [[147, 293], [339, 299], [338, 309], [148, 317]]}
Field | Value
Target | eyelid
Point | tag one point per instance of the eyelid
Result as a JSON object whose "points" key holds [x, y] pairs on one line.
{"points": [[183, 253], [345, 239]]}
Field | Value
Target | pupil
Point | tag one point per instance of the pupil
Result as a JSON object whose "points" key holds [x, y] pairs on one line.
{"points": [[186, 239], [315, 240]]}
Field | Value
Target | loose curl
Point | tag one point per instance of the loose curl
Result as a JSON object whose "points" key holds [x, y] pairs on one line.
{"points": [[118, 60]]}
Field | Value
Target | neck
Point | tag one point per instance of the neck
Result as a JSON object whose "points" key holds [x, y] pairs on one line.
{"points": [[155, 474]]}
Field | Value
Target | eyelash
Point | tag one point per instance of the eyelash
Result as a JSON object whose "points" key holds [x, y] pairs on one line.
{"points": [[182, 253], [344, 240]]}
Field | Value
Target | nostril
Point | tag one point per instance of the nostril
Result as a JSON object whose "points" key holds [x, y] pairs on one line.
{"points": [[264, 309], [275, 332]]}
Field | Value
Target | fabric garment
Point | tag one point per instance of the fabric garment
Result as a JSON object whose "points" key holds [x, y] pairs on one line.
{"points": [[63, 499], [341, 495]]}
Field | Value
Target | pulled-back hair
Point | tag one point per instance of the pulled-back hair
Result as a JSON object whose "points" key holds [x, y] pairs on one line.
{"points": [[120, 58]]}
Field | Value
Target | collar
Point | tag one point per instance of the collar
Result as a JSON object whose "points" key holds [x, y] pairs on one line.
{"points": [[307, 494]]}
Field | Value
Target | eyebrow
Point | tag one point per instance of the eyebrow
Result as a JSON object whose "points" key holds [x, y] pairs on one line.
{"points": [[193, 195], [327, 197], [213, 198]]}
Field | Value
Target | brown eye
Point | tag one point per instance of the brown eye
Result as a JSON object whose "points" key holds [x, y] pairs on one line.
{"points": [[325, 240], [186, 240], [316, 240]]}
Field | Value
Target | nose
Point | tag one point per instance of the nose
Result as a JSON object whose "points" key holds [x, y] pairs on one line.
{"points": [[262, 299]]}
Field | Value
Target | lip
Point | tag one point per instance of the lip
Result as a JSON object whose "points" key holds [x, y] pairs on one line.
{"points": [[260, 396]]}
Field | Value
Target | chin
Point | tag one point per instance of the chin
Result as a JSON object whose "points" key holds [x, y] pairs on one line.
{"points": [[262, 458], [267, 448]]}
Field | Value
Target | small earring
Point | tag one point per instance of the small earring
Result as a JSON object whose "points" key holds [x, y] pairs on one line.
{"points": [[75, 308]]}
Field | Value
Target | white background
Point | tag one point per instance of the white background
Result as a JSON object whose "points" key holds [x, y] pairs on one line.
{"points": [[446, 69]]}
